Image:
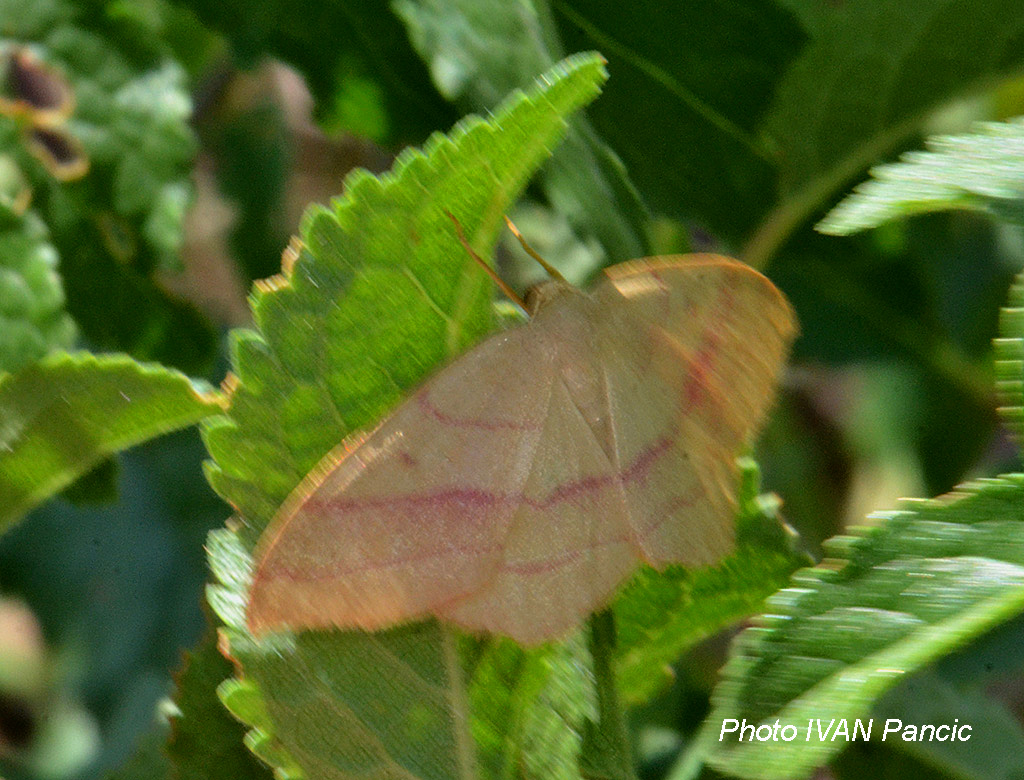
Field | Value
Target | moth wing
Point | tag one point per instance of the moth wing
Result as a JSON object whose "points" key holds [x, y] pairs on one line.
{"points": [[413, 516], [569, 543], [701, 339]]}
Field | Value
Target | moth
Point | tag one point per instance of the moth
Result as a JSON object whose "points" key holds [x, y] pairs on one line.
{"points": [[517, 488]]}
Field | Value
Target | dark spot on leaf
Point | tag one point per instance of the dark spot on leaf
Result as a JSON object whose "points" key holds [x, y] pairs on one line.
{"points": [[59, 151], [36, 86], [17, 722]]}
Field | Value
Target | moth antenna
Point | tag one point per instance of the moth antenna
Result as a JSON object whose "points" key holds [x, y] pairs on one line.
{"points": [[551, 270], [502, 284]]}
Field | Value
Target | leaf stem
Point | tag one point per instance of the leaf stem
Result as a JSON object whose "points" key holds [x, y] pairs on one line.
{"points": [[607, 751]]}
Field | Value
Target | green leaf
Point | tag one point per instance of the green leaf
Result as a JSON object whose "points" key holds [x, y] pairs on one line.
{"points": [[530, 708], [812, 15], [390, 290], [341, 705], [380, 293], [62, 416], [689, 85], [33, 320], [120, 218], [547, 712], [660, 615], [96, 486], [889, 599], [355, 57], [996, 735], [983, 171], [479, 51], [1010, 360], [148, 761], [867, 83], [231, 565], [206, 742], [132, 120]]}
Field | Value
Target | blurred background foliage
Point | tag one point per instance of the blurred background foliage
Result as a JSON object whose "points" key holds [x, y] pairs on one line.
{"points": [[155, 157]]}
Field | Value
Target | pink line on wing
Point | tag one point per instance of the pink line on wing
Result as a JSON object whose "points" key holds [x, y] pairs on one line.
{"points": [[699, 387], [428, 407], [470, 505], [308, 574], [476, 499], [634, 540]]}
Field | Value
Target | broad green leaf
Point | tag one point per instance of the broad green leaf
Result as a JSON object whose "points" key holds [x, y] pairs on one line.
{"points": [[888, 600], [231, 565], [379, 294], [1010, 360], [342, 705], [530, 708], [660, 615], [869, 80], [96, 486], [983, 171], [63, 415], [33, 320], [205, 741], [479, 51], [689, 85]]}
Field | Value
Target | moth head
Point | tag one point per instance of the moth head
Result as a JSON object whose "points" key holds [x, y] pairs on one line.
{"points": [[543, 293]]}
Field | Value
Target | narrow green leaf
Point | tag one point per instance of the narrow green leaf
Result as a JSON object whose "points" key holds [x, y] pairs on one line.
{"points": [[63, 415], [866, 84], [983, 171], [1010, 360], [380, 293], [889, 599], [660, 615]]}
